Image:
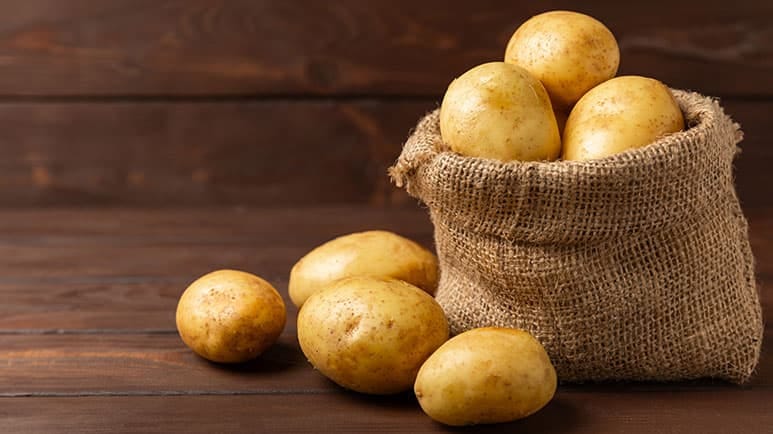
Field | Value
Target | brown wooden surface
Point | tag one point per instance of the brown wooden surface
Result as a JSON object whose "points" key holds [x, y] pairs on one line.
{"points": [[403, 47], [88, 344], [575, 412]]}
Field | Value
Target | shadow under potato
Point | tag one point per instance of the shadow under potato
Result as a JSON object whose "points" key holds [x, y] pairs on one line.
{"points": [[398, 401], [279, 357], [559, 416]]}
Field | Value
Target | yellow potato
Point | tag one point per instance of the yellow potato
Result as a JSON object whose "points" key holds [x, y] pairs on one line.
{"points": [[371, 253], [623, 113], [371, 334], [568, 52], [486, 375], [230, 316], [499, 111]]}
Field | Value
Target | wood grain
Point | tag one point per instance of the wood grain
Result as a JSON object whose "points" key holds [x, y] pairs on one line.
{"points": [[576, 412], [198, 47], [153, 364], [70, 270], [156, 363], [125, 269], [166, 154], [264, 154]]}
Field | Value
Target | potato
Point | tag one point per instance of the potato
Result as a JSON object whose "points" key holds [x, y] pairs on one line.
{"points": [[230, 316], [486, 375], [371, 334], [568, 52], [371, 253], [499, 111], [623, 113]]}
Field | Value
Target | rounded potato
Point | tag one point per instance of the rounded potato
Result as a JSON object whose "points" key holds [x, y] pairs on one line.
{"points": [[623, 113], [568, 52], [371, 334], [499, 111], [230, 316], [486, 375], [371, 253]]}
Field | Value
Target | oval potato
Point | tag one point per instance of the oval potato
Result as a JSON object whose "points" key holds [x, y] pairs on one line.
{"points": [[230, 316], [486, 375], [499, 111], [623, 113], [371, 253], [568, 52], [370, 334]]}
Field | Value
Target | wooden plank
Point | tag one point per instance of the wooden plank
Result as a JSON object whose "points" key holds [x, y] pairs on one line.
{"points": [[665, 412], [182, 254], [125, 269], [265, 154], [163, 154], [159, 363], [302, 226], [187, 47]]}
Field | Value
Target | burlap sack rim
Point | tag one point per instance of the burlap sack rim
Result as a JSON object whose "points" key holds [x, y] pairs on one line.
{"points": [[698, 125], [426, 157]]}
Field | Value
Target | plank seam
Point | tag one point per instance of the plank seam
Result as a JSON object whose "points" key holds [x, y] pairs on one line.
{"points": [[99, 393]]}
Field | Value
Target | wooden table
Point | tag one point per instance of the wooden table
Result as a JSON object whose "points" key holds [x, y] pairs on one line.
{"points": [[88, 341]]}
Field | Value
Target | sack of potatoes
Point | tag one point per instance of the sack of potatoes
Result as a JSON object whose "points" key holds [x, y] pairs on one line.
{"points": [[596, 212], [586, 226]]}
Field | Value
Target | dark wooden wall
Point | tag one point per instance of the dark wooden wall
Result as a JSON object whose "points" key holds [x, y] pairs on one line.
{"points": [[268, 102]]}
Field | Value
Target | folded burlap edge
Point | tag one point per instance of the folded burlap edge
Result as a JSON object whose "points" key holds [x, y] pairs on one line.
{"points": [[529, 193]]}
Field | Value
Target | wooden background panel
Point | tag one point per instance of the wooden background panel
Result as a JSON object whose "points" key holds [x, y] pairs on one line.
{"points": [[202, 47], [174, 153], [259, 153]]}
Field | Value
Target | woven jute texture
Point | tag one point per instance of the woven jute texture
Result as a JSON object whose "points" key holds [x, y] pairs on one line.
{"points": [[632, 267]]}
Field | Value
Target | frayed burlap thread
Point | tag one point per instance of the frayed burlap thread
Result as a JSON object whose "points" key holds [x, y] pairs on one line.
{"points": [[632, 267]]}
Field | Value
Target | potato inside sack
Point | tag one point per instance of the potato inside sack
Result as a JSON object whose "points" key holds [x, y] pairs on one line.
{"points": [[568, 52], [499, 111], [623, 113]]}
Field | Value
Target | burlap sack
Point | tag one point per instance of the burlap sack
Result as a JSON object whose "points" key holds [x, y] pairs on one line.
{"points": [[634, 267]]}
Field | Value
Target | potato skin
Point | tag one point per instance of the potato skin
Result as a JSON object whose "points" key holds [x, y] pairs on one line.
{"points": [[568, 52], [370, 253], [486, 375], [230, 316], [499, 111], [370, 334], [623, 113]]}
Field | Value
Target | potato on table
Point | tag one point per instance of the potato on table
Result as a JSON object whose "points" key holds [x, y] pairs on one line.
{"points": [[371, 334], [486, 375], [370, 253], [230, 316]]}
